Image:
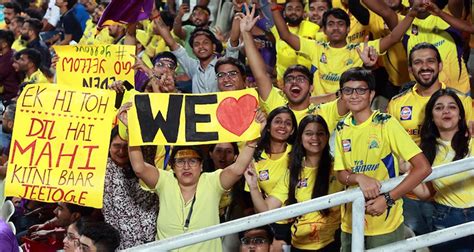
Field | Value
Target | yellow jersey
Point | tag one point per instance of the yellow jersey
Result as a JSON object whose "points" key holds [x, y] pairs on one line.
{"points": [[92, 36], [18, 44], [311, 231], [328, 111], [372, 148], [456, 190], [328, 63], [409, 109], [286, 55], [449, 42], [36, 77]]}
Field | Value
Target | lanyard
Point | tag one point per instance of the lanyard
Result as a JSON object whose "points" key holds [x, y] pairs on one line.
{"points": [[188, 219]]}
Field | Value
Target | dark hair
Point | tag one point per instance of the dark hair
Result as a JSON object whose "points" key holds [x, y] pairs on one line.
{"points": [[19, 19], [33, 13], [267, 228], [231, 61], [420, 46], [209, 165], [33, 55], [337, 13], [264, 142], [71, 3], [297, 155], [82, 210], [202, 7], [206, 32], [13, 5], [429, 132], [165, 54], [35, 25], [105, 237], [178, 148], [328, 2], [358, 74], [292, 1], [299, 68], [7, 36]]}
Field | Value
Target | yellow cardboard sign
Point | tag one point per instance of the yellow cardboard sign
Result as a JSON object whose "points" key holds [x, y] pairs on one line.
{"points": [[94, 66], [190, 119], [60, 144]]}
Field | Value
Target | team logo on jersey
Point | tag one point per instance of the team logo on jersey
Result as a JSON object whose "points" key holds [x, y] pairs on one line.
{"points": [[349, 62], [303, 183], [323, 59], [414, 29], [263, 175], [405, 113], [346, 145], [373, 144]]}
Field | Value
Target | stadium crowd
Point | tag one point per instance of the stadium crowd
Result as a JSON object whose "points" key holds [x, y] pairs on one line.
{"points": [[351, 93]]}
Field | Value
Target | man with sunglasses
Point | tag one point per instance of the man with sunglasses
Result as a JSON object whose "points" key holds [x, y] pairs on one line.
{"points": [[368, 145]]}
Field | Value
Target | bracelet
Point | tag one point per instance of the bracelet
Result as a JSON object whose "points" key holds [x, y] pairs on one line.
{"points": [[252, 146], [347, 178], [277, 7]]}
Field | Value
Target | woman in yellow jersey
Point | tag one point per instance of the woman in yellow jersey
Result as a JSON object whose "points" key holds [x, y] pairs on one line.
{"points": [[445, 138], [310, 175], [271, 160]]}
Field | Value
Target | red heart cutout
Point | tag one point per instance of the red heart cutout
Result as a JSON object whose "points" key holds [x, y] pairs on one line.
{"points": [[237, 115]]}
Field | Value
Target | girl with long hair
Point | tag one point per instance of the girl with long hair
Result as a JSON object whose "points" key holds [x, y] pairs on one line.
{"points": [[310, 175], [445, 138]]}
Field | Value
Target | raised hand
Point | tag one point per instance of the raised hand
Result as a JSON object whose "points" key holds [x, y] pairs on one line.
{"points": [[251, 177], [183, 8], [247, 20], [123, 113], [368, 54]]}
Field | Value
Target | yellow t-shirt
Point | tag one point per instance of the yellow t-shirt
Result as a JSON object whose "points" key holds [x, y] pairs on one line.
{"points": [[328, 111], [328, 63], [36, 77], [311, 231], [456, 190], [409, 109], [436, 31], [92, 37], [174, 211], [372, 148], [395, 59], [270, 171], [18, 44], [286, 55]]}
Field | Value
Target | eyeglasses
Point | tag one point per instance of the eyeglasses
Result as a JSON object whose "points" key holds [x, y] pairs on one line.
{"points": [[170, 66], [350, 91], [72, 237], [230, 74], [181, 162], [298, 79], [254, 241]]}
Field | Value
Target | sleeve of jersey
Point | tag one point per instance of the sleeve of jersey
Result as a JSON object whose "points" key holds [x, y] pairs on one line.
{"points": [[308, 47], [330, 114], [400, 142], [376, 45], [338, 154], [215, 179], [467, 103], [274, 100], [280, 191]]}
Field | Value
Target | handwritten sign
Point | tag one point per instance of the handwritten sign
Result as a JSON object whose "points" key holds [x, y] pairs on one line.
{"points": [[94, 66], [60, 144], [179, 119]]}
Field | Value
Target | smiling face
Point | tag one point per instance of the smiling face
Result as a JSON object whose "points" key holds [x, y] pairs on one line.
{"points": [[297, 87], [425, 67], [446, 114], [119, 151], [294, 12], [316, 11], [199, 17], [357, 101], [281, 127], [203, 47], [314, 138], [229, 78]]}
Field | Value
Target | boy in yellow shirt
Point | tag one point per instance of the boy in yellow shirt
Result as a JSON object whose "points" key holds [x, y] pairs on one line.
{"points": [[368, 144]]}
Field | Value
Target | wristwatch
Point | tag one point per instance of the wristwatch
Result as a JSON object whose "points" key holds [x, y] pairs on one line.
{"points": [[390, 202]]}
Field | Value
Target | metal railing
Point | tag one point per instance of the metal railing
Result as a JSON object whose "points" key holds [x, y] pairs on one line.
{"points": [[353, 195]]}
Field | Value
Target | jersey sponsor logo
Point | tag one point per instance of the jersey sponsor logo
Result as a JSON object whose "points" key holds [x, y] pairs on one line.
{"points": [[349, 62], [373, 144], [346, 145], [323, 59], [331, 77], [303, 183], [405, 113], [414, 132], [361, 167], [263, 175], [414, 29]]}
